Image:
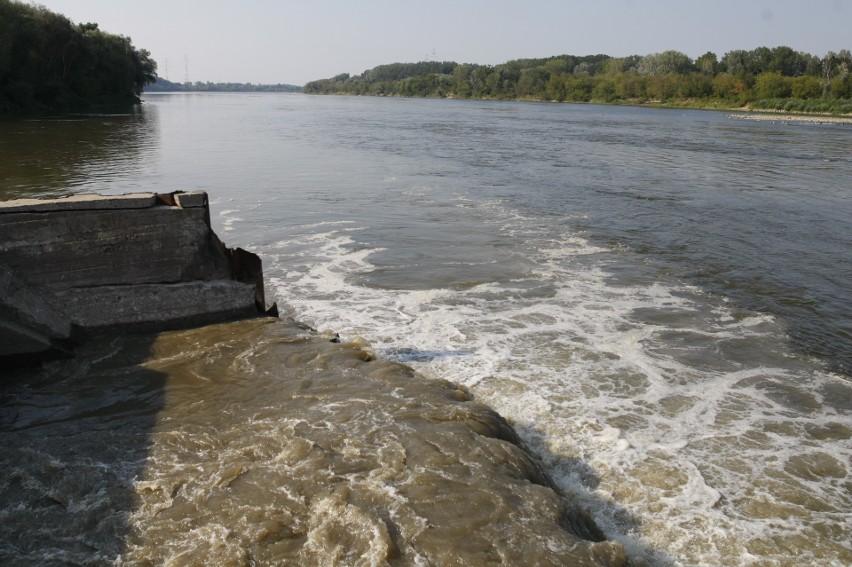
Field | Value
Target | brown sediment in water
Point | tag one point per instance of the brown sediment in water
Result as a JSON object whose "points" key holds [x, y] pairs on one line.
{"points": [[261, 442]]}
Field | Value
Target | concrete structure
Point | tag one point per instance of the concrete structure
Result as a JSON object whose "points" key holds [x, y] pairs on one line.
{"points": [[72, 266]]}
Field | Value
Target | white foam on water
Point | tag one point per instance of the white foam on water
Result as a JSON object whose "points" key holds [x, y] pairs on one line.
{"points": [[672, 415]]}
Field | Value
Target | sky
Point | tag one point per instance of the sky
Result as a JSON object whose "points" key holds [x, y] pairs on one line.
{"points": [[294, 42]]}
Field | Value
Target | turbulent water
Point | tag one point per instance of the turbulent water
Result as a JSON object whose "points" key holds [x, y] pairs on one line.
{"points": [[658, 301]]}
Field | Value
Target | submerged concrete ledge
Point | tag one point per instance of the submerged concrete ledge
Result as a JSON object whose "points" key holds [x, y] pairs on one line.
{"points": [[145, 261]]}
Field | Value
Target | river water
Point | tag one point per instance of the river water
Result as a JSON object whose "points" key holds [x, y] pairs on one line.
{"points": [[659, 302]]}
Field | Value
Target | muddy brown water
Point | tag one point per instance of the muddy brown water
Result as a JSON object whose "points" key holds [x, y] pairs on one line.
{"points": [[263, 443]]}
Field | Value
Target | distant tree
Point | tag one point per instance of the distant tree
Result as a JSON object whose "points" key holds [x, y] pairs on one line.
{"points": [[478, 77], [662, 87], [738, 62], [579, 89], [162, 85], [605, 90], [462, 87], [533, 82], [631, 86], [786, 62], [583, 69], [673, 62], [559, 65], [695, 86], [761, 60], [730, 87], [708, 64], [618, 65], [555, 89], [806, 87], [772, 84], [670, 77], [829, 67], [841, 87]]}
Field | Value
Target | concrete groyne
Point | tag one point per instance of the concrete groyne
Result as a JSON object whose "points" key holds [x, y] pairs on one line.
{"points": [[145, 262]]}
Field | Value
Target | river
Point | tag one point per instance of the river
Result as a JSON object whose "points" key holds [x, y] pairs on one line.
{"points": [[659, 301]]}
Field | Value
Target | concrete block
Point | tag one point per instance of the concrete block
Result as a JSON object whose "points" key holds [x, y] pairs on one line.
{"points": [[28, 322], [79, 203], [29, 306], [189, 200], [17, 340], [142, 262], [111, 247], [158, 305]]}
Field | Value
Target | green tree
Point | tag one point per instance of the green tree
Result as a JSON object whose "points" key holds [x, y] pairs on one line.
{"points": [[619, 65], [605, 90], [667, 62], [727, 86], [579, 89], [631, 86], [462, 87], [662, 87], [738, 78], [555, 89], [707, 64], [771, 84], [559, 65], [583, 69], [532, 83], [695, 86], [787, 62], [806, 87], [841, 87], [47, 62]]}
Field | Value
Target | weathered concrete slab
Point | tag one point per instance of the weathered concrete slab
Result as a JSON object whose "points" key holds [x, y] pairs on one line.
{"points": [[28, 322], [192, 199], [158, 305], [147, 261], [80, 202], [85, 247]]}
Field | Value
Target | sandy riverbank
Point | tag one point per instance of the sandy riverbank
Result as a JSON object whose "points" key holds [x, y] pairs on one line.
{"points": [[787, 117]]}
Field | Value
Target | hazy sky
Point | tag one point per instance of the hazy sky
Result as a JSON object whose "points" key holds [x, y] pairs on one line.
{"points": [[288, 41]]}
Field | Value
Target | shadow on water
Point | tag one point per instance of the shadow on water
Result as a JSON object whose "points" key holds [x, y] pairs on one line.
{"points": [[580, 478], [52, 156], [576, 480], [74, 434]]}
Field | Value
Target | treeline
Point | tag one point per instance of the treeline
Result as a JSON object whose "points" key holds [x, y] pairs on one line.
{"points": [[162, 85], [49, 63], [740, 77]]}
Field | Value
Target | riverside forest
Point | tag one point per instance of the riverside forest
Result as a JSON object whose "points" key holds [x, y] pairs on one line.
{"points": [[162, 85], [777, 78], [48, 63]]}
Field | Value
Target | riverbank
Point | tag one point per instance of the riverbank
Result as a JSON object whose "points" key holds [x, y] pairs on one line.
{"points": [[788, 117]]}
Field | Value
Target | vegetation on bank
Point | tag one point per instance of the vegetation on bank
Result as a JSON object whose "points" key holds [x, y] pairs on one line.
{"points": [[48, 63], [163, 85], [762, 78]]}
